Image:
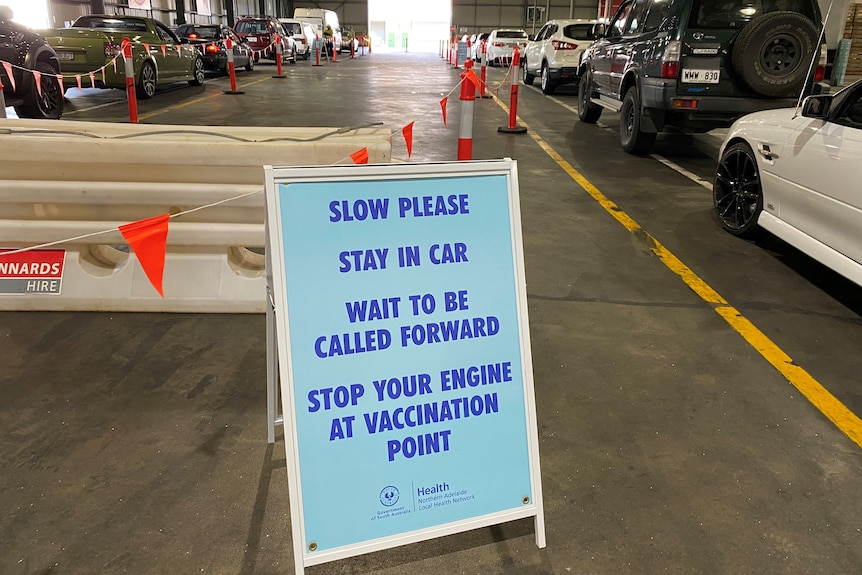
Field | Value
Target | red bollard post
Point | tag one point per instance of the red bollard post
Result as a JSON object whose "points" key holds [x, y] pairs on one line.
{"points": [[352, 50], [512, 128], [231, 68], [316, 50], [465, 128], [482, 82], [278, 56], [130, 81]]}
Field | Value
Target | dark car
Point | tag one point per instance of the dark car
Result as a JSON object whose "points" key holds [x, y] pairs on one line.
{"points": [[211, 41], [23, 48], [260, 32], [696, 65]]}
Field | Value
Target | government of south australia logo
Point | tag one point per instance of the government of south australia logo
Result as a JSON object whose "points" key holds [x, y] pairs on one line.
{"points": [[389, 496]]}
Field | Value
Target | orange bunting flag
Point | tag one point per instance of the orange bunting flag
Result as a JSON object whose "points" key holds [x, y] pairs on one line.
{"points": [[38, 77], [148, 238], [360, 157], [472, 77], [102, 70], [164, 51], [179, 50], [147, 47], [114, 64], [92, 79], [9, 75], [443, 106], [78, 80], [62, 87], [408, 138]]}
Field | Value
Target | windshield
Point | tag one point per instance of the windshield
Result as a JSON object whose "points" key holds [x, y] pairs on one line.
{"points": [[579, 31], [737, 13], [251, 27], [520, 34], [293, 28], [208, 32]]}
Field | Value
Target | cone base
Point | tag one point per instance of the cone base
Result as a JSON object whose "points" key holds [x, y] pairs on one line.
{"points": [[233, 92], [515, 130]]}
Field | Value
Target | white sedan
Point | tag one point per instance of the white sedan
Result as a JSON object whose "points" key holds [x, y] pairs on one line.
{"points": [[799, 176], [501, 45]]}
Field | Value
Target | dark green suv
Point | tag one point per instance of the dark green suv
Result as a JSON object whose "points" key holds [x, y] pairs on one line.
{"points": [[696, 65]]}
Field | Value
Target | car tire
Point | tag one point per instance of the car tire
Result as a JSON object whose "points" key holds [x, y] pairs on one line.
{"points": [[147, 81], [548, 85], [588, 112], [294, 58], [528, 78], [633, 139], [773, 52], [47, 105], [250, 66], [737, 193], [198, 75]]}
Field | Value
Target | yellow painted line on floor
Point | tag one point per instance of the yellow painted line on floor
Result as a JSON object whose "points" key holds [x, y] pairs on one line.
{"points": [[196, 101], [844, 419]]}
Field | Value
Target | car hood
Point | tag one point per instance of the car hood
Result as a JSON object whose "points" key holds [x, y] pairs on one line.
{"points": [[780, 118]]}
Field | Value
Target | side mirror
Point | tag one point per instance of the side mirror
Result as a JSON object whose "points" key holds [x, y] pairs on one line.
{"points": [[597, 31], [817, 106], [531, 37]]}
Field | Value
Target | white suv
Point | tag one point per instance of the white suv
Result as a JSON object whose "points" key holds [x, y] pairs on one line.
{"points": [[501, 45], [555, 54]]}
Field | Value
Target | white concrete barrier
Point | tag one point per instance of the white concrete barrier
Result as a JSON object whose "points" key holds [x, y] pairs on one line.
{"points": [[63, 179]]}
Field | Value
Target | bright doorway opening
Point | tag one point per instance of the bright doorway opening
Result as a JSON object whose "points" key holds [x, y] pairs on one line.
{"points": [[399, 26]]}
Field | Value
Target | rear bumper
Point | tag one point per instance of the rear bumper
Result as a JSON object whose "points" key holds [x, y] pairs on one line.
{"points": [[709, 112], [563, 75]]}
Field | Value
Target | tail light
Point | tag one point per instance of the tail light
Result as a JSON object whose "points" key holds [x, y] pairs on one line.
{"points": [[193, 36], [498, 44], [112, 50], [670, 62], [212, 49], [560, 45], [304, 42], [820, 70]]}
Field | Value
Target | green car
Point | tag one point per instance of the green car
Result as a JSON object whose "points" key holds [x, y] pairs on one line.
{"points": [[92, 50]]}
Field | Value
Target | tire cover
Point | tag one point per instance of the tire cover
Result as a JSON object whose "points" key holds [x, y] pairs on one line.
{"points": [[772, 54]]}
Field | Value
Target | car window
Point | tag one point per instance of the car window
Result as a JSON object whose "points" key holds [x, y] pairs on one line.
{"points": [[118, 23], [617, 25], [657, 14], [543, 33], [737, 13], [850, 114], [634, 24], [579, 31], [251, 27], [511, 34], [164, 33], [208, 32]]}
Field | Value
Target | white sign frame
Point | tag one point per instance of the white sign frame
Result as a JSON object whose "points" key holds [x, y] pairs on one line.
{"points": [[274, 176]]}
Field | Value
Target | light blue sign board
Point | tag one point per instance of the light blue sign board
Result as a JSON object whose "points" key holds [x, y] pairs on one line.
{"points": [[409, 391], [462, 53]]}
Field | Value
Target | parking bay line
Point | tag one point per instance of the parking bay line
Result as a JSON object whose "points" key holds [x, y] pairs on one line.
{"points": [[844, 419]]}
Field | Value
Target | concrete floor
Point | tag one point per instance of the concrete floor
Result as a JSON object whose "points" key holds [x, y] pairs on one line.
{"points": [[136, 443]]}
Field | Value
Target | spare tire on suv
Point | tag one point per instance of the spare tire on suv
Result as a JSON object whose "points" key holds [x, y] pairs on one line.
{"points": [[772, 53]]}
